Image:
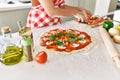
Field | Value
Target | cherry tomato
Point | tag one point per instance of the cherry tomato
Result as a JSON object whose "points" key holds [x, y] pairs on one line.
{"points": [[41, 57]]}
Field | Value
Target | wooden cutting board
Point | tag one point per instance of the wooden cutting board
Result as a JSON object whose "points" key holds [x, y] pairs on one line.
{"points": [[91, 25]]}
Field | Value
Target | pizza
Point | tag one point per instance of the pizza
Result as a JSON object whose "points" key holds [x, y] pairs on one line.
{"points": [[94, 20], [65, 40]]}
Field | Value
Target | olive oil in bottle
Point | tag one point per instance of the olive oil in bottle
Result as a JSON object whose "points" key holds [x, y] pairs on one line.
{"points": [[10, 53]]}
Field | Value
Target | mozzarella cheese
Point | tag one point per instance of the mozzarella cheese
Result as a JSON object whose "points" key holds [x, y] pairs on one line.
{"points": [[83, 41], [75, 45], [61, 47], [45, 38], [49, 42], [82, 36]]}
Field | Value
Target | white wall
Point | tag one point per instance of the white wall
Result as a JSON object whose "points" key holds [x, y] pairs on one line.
{"points": [[10, 18], [88, 4], [102, 7], [99, 7], [112, 6]]}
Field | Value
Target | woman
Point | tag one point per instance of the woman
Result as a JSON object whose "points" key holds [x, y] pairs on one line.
{"points": [[48, 12]]}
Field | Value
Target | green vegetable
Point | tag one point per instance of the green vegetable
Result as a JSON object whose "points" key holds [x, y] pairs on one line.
{"points": [[52, 38], [79, 39], [70, 35], [107, 25], [59, 43], [72, 40], [59, 34]]}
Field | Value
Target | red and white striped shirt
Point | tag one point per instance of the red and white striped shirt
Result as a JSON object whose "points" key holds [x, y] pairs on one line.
{"points": [[38, 17]]}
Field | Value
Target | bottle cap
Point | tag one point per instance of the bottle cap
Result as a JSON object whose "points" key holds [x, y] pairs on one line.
{"points": [[5, 29]]}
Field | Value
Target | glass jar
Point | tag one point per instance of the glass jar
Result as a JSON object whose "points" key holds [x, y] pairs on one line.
{"points": [[10, 52], [27, 43]]}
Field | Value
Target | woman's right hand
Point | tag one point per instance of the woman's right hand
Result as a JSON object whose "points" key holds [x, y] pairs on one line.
{"points": [[80, 17], [82, 14]]}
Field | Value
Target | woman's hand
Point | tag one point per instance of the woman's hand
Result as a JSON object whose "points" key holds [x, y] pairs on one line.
{"points": [[86, 13], [82, 14], [65, 10]]}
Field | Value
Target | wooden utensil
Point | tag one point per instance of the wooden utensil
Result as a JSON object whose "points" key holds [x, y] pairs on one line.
{"points": [[110, 46]]}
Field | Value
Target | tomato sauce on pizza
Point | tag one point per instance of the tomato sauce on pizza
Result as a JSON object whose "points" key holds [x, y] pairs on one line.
{"points": [[95, 20], [65, 40]]}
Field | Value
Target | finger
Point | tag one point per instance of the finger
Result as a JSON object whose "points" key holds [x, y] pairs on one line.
{"points": [[81, 18], [85, 14], [89, 13]]}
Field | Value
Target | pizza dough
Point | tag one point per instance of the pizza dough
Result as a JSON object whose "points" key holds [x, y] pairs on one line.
{"points": [[65, 41]]}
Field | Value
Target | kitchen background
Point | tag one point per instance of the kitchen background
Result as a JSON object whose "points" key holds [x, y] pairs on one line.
{"points": [[12, 11]]}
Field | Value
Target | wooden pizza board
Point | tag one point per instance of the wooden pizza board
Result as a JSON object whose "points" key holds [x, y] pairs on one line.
{"points": [[91, 25]]}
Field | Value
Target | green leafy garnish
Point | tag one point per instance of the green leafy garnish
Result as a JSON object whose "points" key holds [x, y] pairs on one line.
{"points": [[59, 43], [52, 38], [59, 34], [72, 40], [70, 35], [79, 39]]}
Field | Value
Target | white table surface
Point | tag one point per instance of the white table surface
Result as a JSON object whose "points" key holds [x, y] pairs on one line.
{"points": [[94, 64]]}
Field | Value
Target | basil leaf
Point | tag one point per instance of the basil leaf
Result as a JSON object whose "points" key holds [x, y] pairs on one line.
{"points": [[59, 43], [59, 34], [52, 38], [79, 38], [72, 40], [70, 35]]}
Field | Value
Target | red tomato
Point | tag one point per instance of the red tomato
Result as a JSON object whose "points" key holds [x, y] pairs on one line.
{"points": [[41, 57]]}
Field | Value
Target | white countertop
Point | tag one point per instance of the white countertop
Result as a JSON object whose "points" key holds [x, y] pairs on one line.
{"points": [[94, 64], [17, 5]]}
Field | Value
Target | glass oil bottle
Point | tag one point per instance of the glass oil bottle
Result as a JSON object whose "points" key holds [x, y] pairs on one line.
{"points": [[10, 53]]}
